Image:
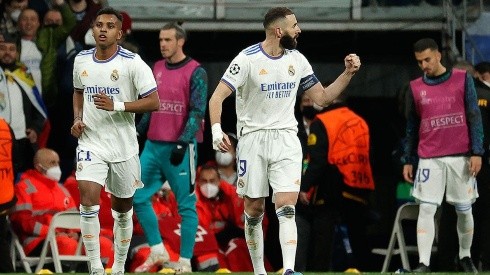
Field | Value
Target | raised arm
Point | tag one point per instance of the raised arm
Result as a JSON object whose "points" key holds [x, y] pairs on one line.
{"points": [[325, 96]]}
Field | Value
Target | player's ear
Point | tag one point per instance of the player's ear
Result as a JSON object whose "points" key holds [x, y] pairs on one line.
{"points": [[278, 32]]}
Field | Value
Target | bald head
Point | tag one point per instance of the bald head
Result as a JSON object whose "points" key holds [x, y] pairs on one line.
{"points": [[45, 158]]}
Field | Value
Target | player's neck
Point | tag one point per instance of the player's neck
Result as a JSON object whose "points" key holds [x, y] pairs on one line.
{"points": [[104, 54], [272, 48], [176, 58]]}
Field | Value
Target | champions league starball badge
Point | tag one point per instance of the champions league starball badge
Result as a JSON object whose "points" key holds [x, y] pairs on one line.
{"points": [[234, 69]]}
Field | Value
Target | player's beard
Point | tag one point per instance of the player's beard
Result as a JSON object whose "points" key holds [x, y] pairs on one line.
{"points": [[288, 42]]}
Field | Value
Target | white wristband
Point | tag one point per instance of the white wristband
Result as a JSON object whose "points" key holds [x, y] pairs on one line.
{"points": [[119, 106], [216, 128], [217, 134]]}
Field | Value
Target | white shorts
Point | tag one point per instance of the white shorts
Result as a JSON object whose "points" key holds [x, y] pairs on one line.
{"points": [[268, 157], [119, 178], [450, 174]]}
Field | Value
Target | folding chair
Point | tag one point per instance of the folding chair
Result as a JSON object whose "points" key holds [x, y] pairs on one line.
{"points": [[67, 220], [18, 255], [408, 211]]}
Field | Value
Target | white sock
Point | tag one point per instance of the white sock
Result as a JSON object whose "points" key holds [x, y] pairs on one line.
{"points": [[90, 229], [254, 235], [288, 235], [123, 230], [465, 226], [425, 231]]}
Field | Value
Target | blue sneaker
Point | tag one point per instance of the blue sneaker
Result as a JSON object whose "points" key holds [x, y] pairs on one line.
{"points": [[292, 272]]}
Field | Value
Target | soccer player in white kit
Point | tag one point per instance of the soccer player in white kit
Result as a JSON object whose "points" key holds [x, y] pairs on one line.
{"points": [[108, 80], [265, 78]]}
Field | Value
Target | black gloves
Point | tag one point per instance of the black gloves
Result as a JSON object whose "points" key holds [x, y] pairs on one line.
{"points": [[178, 153]]}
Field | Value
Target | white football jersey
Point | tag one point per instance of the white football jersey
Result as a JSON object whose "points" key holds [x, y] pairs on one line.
{"points": [[266, 88], [124, 76]]}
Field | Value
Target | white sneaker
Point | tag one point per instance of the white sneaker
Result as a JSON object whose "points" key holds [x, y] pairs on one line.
{"points": [[153, 261], [183, 267]]}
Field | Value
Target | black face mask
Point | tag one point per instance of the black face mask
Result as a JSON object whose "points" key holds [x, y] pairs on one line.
{"points": [[288, 42], [309, 112]]}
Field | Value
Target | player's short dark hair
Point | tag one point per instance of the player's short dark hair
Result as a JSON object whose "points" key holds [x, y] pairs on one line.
{"points": [[180, 32], [274, 14], [483, 67], [111, 11], [424, 44]]}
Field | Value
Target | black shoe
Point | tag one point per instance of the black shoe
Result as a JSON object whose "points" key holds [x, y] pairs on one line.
{"points": [[466, 264], [421, 268], [292, 272]]}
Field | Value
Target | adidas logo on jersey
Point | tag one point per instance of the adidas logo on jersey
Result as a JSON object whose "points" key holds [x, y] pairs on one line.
{"points": [[262, 72], [84, 73]]}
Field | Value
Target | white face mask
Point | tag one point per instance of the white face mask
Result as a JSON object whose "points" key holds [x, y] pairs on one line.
{"points": [[224, 159], [15, 14], [54, 173], [209, 190]]}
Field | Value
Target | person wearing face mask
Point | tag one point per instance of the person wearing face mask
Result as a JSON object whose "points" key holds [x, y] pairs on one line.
{"points": [[227, 162], [40, 196], [11, 12], [220, 209]]}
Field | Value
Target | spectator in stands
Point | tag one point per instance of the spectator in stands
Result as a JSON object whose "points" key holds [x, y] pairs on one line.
{"points": [[11, 10], [57, 25], [85, 12], [7, 195], [21, 105], [28, 25], [127, 28]]}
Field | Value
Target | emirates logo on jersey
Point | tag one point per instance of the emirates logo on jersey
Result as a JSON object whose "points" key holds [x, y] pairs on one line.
{"points": [[114, 75]]}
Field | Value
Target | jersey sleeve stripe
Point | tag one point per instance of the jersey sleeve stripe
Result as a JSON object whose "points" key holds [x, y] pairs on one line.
{"points": [[149, 92], [228, 84]]}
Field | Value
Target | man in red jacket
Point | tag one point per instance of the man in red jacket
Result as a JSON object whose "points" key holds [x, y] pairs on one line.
{"points": [[40, 196]]}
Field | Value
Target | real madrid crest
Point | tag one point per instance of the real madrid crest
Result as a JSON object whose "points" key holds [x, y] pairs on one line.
{"points": [[114, 75], [241, 183], [291, 70]]}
